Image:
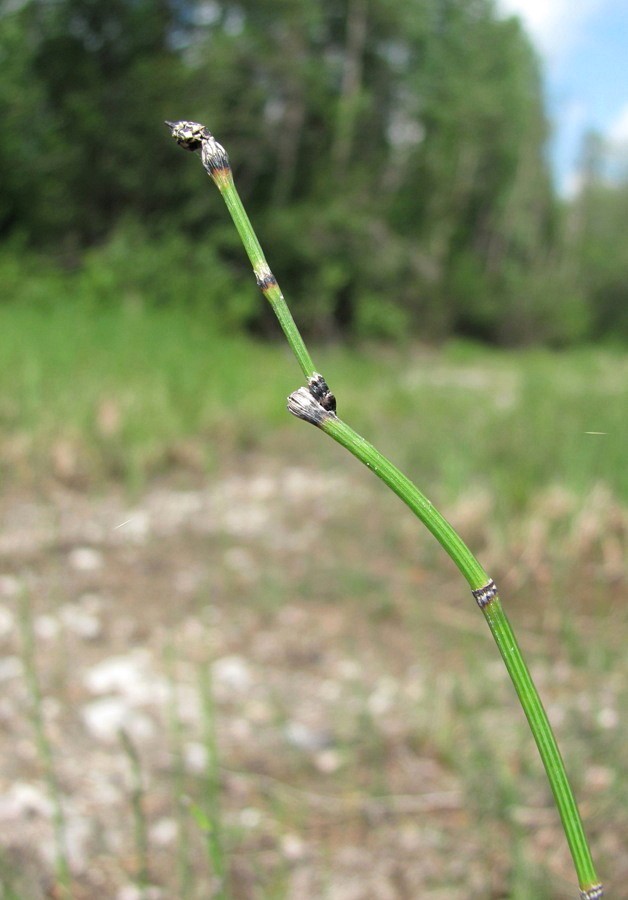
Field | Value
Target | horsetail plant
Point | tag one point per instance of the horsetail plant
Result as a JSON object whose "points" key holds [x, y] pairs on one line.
{"points": [[317, 405]]}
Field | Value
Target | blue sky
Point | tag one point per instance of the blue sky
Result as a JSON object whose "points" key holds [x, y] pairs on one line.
{"points": [[583, 45]]}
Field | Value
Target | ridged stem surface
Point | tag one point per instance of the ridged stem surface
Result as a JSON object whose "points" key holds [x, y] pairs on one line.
{"points": [[317, 405]]}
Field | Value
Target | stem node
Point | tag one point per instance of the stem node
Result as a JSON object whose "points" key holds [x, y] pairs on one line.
{"points": [[316, 404], [485, 594], [304, 405], [593, 893]]}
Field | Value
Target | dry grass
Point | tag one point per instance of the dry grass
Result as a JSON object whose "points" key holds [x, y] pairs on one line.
{"points": [[165, 521], [369, 741]]}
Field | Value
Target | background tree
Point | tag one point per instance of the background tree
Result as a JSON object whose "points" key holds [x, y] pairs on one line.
{"points": [[392, 153], [88, 83], [598, 223]]}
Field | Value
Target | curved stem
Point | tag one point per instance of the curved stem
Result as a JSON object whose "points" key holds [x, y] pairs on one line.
{"points": [[197, 138], [487, 597], [317, 405]]}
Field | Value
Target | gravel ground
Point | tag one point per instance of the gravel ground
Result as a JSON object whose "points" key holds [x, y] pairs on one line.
{"points": [[342, 653]]}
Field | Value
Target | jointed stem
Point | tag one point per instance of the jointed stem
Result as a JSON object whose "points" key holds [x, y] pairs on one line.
{"points": [[485, 592], [192, 136], [265, 278], [317, 405]]}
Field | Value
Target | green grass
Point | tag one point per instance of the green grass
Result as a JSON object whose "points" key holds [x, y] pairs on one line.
{"points": [[124, 387], [129, 391]]}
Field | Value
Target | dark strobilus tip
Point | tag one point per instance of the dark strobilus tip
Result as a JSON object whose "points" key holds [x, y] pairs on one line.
{"points": [[189, 135], [194, 136]]}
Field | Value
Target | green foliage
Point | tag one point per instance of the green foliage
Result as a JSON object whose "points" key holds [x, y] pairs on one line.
{"points": [[392, 156], [166, 271], [126, 390], [133, 271], [87, 83], [603, 253]]}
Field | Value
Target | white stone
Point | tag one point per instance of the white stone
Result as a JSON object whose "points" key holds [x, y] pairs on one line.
{"points": [[608, 718], [23, 799], [105, 718], [328, 761], [133, 892], [292, 846], [80, 621], [7, 621], [11, 667], [126, 675], [164, 832], [305, 738], [382, 698], [195, 757], [232, 672], [9, 586], [134, 527], [250, 817], [46, 627], [85, 559]]}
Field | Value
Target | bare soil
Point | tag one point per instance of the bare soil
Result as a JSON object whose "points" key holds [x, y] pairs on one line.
{"points": [[369, 743]]}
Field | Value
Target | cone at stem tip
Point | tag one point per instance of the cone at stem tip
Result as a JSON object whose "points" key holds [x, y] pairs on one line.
{"points": [[194, 136], [189, 135], [316, 404]]}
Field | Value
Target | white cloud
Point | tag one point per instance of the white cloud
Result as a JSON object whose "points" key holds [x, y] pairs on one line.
{"points": [[554, 25], [571, 185], [618, 129]]}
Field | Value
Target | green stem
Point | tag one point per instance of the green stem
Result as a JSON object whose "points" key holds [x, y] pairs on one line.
{"points": [[316, 404], [140, 830], [265, 279], [489, 602], [195, 137], [44, 748]]}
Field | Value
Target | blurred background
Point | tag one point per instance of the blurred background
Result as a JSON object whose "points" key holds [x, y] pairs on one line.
{"points": [[232, 665], [394, 156]]}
